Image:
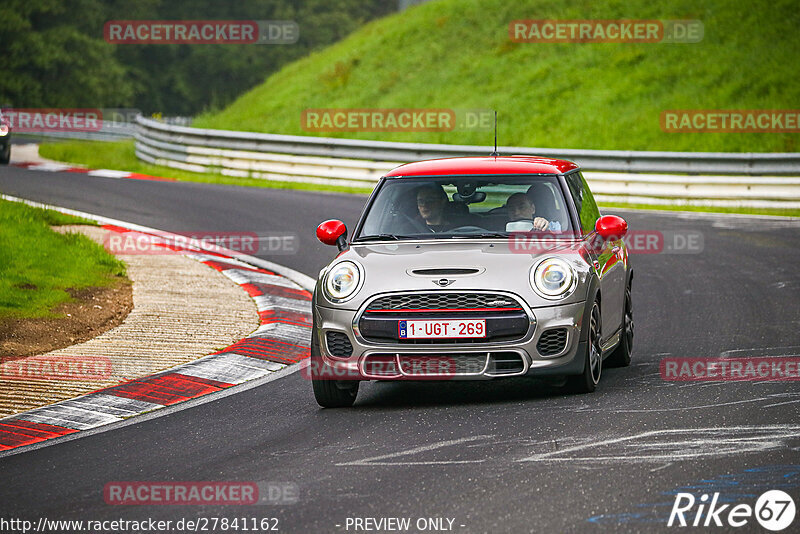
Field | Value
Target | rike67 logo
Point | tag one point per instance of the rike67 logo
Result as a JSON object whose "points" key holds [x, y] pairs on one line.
{"points": [[774, 510]]}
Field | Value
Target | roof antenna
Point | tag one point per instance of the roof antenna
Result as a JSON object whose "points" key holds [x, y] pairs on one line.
{"points": [[495, 154]]}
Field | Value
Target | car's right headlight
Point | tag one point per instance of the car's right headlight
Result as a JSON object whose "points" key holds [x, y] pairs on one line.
{"points": [[342, 281], [3, 130], [553, 278]]}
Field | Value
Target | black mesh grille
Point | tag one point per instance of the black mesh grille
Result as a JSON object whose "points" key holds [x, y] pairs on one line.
{"points": [[505, 363], [442, 301], [442, 365], [339, 344], [466, 364], [381, 365], [444, 272], [552, 341]]}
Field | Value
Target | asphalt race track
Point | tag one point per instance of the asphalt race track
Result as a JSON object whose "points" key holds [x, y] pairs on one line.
{"points": [[502, 456]]}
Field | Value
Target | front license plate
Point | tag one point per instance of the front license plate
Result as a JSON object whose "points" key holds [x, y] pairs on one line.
{"points": [[459, 328]]}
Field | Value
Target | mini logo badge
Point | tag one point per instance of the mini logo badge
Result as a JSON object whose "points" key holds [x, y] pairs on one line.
{"points": [[443, 282], [496, 303]]}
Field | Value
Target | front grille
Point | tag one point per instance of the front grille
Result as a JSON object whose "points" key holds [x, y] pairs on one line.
{"points": [[339, 344], [442, 301], [445, 272], [390, 365], [463, 364], [506, 320], [552, 341]]}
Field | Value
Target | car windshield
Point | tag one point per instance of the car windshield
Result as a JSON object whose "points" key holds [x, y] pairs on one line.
{"points": [[449, 207]]}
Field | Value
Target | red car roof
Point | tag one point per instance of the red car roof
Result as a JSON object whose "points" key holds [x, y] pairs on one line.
{"points": [[485, 165]]}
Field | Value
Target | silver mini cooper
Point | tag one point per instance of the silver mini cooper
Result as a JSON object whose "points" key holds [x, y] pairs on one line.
{"points": [[473, 268]]}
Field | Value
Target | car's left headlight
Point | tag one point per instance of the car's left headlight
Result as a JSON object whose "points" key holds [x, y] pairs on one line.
{"points": [[553, 278], [342, 281]]}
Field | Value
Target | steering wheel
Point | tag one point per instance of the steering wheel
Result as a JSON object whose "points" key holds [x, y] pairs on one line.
{"points": [[416, 224]]}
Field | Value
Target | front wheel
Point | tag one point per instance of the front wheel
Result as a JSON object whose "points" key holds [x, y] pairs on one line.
{"points": [[329, 393], [621, 357], [5, 157], [334, 394], [586, 382]]}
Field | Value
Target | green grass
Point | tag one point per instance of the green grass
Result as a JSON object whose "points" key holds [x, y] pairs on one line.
{"points": [[120, 155], [456, 54], [38, 265]]}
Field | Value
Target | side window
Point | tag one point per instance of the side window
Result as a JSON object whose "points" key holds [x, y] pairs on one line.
{"points": [[584, 201]]}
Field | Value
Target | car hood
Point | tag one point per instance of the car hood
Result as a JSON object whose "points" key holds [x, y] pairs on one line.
{"points": [[500, 266]]}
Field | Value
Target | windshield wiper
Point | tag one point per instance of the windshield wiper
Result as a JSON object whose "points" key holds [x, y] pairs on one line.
{"points": [[482, 234], [383, 237]]}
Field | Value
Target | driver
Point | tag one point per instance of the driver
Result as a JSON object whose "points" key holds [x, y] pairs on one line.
{"points": [[521, 208], [431, 203]]}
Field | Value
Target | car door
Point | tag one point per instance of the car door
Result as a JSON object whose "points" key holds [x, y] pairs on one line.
{"points": [[607, 256]]}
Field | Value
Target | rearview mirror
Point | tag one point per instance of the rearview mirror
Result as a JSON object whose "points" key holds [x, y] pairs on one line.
{"points": [[333, 232], [611, 227]]}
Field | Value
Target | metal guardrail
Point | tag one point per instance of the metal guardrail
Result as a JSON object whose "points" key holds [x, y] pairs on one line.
{"points": [[360, 163]]}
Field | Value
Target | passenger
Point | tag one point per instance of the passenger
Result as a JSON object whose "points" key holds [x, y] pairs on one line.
{"points": [[521, 208], [431, 203]]}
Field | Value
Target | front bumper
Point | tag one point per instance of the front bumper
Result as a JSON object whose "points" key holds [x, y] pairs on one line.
{"points": [[529, 355]]}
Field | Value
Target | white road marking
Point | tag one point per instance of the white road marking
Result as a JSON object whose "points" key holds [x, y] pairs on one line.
{"points": [[271, 302], [660, 468], [230, 368], [51, 167], [675, 409], [790, 350], [245, 277], [660, 445], [376, 460], [781, 403], [108, 173]]}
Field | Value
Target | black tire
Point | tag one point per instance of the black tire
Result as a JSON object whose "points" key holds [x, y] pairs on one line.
{"points": [[621, 357], [329, 393], [5, 157], [587, 381]]}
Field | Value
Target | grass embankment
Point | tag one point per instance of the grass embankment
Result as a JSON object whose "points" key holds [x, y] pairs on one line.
{"points": [[457, 54], [38, 265]]}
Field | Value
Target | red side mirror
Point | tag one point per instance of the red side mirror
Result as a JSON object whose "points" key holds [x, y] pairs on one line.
{"points": [[331, 232], [611, 227]]}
